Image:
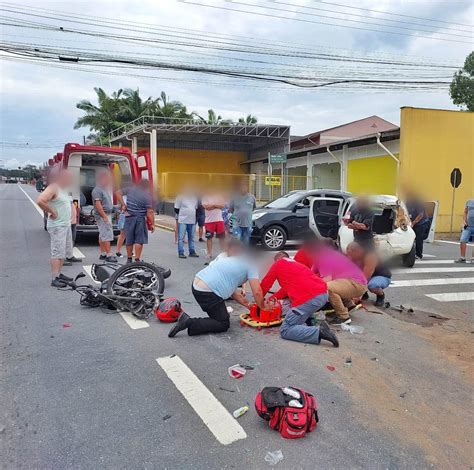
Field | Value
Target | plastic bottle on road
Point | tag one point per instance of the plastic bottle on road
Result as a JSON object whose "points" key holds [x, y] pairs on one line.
{"points": [[352, 329], [240, 411]]}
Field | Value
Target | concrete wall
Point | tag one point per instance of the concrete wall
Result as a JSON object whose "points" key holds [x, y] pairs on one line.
{"points": [[433, 142], [374, 175]]}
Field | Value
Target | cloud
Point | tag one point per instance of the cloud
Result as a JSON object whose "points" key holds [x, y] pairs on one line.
{"points": [[13, 163]]}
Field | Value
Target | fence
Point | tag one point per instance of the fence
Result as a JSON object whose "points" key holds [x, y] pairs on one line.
{"points": [[171, 183]]}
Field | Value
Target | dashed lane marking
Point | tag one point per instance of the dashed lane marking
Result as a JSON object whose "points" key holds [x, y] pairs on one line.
{"points": [[78, 253], [452, 296], [432, 282], [220, 422]]}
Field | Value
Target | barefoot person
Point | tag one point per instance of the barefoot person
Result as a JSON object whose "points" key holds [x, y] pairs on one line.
{"points": [[56, 203], [216, 283], [306, 292]]}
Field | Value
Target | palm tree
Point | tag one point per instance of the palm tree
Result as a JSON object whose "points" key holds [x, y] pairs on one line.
{"points": [[104, 117], [133, 106], [170, 110], [215, 120], [249, 119]]}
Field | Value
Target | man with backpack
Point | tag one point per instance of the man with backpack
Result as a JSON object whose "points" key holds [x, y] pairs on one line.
{"points": [[307, 293]]}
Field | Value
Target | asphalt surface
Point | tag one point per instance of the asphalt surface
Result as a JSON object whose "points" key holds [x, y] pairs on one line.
{"points": [[92, 395]]}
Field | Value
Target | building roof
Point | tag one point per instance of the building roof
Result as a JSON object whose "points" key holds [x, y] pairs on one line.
{"points": [[354, 129], [196, 135]]}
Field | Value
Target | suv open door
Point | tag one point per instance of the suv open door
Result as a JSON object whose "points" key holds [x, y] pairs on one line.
{"points": [[325, 216]]}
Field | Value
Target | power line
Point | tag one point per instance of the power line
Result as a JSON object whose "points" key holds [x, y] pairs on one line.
{"points": [[303, 20]]}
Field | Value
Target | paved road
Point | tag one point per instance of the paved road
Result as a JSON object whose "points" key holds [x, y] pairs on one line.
{"points": [[93, 395]]}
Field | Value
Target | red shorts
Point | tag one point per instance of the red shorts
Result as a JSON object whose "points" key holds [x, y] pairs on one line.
{"points": [[217, 228]]}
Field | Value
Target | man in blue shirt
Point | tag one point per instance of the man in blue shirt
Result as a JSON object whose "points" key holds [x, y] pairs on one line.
{"points": [[216, 283], [139, 218]]}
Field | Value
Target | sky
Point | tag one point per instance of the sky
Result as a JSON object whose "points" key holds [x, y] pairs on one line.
{"points": [[38, 103]]}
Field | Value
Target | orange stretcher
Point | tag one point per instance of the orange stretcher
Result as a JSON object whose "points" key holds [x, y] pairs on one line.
{"points": [[260, 318]]}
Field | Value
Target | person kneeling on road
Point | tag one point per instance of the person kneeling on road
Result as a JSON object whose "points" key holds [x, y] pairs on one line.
{"points": [[345, 280], [307, 293], [216, 283], [375, 270]]}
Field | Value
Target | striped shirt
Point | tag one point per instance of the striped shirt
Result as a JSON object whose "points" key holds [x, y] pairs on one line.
{"points": [[138, 201]]}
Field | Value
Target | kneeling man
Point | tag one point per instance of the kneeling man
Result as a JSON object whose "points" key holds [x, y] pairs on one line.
{"points": [[216, 283], [307, 293]]}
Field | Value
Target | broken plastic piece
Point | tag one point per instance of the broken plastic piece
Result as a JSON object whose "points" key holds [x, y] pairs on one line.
{"points": [[353, 329], [331, 368], [237, 371], [229, 309], [348, 362], [274, 457], [67, 325]]}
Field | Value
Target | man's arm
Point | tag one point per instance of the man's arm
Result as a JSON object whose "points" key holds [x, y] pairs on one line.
{"points": [[240, 298], [119, 196], [257, 292], [369, 266], [150, 217], [268, 280], [465, 216], [100, 210], [44, 198]]}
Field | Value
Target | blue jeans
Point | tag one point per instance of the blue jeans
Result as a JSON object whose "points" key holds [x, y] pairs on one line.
{"points": [[182, 230], [294, 326], [243, 234], [378, 282], [467, 234]]}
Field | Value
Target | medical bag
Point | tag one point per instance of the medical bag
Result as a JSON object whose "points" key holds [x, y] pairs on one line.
{"points": [[291, 416]]}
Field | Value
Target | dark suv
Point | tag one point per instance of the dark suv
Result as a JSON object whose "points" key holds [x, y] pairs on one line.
{"points": [[286, 218]]}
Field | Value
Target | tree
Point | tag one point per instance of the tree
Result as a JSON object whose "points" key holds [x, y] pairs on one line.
{"points": [[462, 86], [133, 106], [103, 118], [215, 120], [249, 119]]}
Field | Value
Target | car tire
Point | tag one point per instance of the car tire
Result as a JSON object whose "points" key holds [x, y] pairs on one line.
{"points": [[408, 259], [274, 238]]}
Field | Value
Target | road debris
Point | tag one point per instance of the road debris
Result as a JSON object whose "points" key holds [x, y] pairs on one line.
{"points": [[226, 389], [352, 329], [348, 362], [67, 325], [240, 411], [274, 457], [403, 395], [236, 371], [166, 417], [331, 368]]}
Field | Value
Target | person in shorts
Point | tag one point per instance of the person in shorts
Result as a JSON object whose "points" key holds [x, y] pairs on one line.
{"points": [[56, 204], [242, 207], [214, 222], [360, 221], [467, 233], [139, 218], [103, 209], [121, 227], [200, 219]]}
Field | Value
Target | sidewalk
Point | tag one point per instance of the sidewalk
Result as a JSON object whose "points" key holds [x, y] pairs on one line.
{"points": [[166, 222]]}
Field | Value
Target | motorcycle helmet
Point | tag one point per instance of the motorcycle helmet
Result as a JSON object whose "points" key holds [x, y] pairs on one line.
{"points": [[169, 310]]}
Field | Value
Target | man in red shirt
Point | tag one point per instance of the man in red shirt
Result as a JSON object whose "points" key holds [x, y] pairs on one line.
{"points": [[306, 292]]}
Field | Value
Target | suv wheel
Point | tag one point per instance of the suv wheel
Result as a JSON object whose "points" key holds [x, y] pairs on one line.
{"points": [[274, 238], [409, 258]]}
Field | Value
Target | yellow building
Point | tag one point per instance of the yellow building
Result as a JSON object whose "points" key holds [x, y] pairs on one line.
{"points": [[432, 143]]}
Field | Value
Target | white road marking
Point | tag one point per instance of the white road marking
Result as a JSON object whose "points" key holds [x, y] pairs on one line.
{"points": [[433, 270], [450, 242], [78, 253], [452, 296], [435, 261], [426, 255], [133, 322], [38, 208], [432, 282], [220, 422]]}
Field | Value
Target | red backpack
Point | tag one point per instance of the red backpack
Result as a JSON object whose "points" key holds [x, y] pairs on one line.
{"points": [[272, 404]]}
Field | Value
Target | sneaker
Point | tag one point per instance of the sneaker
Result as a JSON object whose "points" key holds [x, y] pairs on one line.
{"points": [[380, 302], [328, 335], [182, 324], [73, 259], [182, 256], [56, 282], [118, 255], [202, 240], [64, 278], [336, 320], [67, 263], [111, 259], [129, 260], [193, 255], [461, 260], [103, 257]]}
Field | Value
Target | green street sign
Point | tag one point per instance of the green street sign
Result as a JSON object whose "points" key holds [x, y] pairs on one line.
{"points": [[281, 158]]}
